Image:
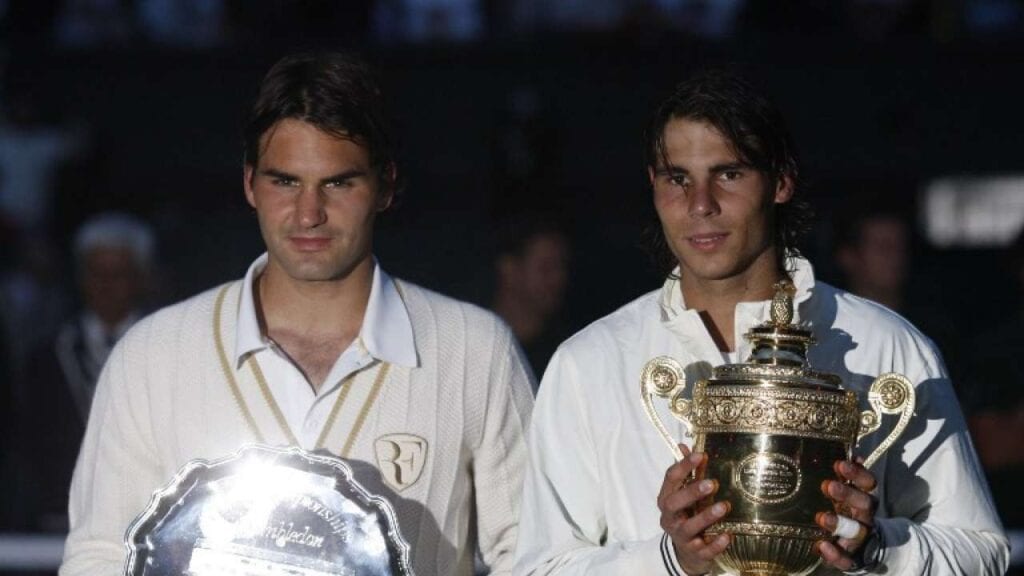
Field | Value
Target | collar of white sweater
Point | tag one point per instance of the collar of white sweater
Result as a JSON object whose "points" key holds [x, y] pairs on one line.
{"points": [[386, 331]]}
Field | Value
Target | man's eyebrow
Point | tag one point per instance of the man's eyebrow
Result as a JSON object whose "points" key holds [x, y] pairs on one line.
{"points": [[273, 173], [340, 176], [345, 175], [726, 166], [670, 169]]}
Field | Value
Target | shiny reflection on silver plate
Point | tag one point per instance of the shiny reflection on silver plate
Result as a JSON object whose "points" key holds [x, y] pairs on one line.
{"points": [[266, 512]]}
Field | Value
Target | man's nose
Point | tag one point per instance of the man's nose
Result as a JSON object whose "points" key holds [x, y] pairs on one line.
{"points": [[702, 201], [310, 208]]}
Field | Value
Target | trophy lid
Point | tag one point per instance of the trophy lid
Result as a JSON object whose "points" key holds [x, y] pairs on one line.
{"points": [[779, 348], [780, 342]]}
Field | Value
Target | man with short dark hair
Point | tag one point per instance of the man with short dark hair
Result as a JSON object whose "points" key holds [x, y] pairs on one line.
{"points": [[531, 274], [317, 347], [873, 252], [114, 260], [602, 495]]}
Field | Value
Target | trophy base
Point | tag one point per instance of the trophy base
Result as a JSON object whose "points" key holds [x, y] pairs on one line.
{"points": [[768, 549]]}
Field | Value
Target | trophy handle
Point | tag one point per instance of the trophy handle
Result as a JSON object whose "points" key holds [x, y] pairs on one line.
{"points": [[664, 377], [890, 393]]}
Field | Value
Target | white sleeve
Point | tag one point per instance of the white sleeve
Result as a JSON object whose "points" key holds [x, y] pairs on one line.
{"points": [[500, 453], [562, 527], [937, 516], [116, 469]]}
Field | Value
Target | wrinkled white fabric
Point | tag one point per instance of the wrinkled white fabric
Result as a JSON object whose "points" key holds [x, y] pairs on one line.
{"points": [[163, 400], [595, 463]]}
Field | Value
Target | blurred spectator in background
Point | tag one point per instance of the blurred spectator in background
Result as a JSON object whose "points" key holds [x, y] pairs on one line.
{"points": [[206, 24], [994, 18], [8, 470], [525, 153], [95, 23], [695, 18], [874, 254], [420, 21], [297, 22], [33, 297], [863, 20], [531, 275], [193, 24], [993, 399], [33, 149], [114, 260], [569, 15]]}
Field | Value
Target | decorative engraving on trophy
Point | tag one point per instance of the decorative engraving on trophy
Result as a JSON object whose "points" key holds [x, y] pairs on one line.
{"points": [[284, 533], [892, 395], [761, 529], [818, 418], [728, 411], [767, 477], [680, 406], [789, 413], [664, 379], [236, 560], [805, 413], [759, 412], [266, 511], [338, 526], [869, 421], [777, 397]]}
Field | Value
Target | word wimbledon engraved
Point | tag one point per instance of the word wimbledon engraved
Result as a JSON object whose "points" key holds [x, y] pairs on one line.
{"points": [[266, 512]]}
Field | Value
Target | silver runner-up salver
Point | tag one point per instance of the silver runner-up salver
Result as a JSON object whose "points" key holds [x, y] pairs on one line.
{"points": [[266, 512]]}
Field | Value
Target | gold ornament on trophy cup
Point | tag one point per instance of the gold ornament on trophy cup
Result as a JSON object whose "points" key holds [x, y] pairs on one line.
{"points": [[772, 429]]}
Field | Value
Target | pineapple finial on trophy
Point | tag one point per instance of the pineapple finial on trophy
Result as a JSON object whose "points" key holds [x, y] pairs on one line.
{"points": [[782, 304], [779, 341]]}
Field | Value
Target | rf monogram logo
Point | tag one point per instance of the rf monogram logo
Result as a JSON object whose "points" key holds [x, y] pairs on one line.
{"points": [[400, 458]]}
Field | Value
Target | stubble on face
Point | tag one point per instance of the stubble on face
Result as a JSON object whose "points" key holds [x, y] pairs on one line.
{"points": [[316, 197]]}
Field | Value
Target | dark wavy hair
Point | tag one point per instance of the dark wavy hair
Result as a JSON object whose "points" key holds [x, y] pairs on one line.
{"points": [[339, 94], [755, 128]]}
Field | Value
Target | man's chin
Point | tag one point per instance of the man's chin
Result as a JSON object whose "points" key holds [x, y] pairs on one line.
{"points": [[317, 267], [308, 272], [706, 266]]}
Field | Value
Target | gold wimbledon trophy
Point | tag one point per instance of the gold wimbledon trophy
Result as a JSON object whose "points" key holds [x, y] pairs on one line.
{"points": [[772, 429]]}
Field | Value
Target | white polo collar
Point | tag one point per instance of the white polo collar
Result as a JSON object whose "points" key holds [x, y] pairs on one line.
{"points": [[673, 305], [386, 332]]}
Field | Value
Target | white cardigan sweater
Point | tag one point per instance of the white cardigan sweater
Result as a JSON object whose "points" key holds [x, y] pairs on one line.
{"points": [[163, 399]]}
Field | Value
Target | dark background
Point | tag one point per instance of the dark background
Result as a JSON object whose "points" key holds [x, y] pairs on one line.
{"points": [[871, 119], [882, 96]]}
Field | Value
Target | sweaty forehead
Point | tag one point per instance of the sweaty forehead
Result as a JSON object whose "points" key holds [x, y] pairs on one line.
{"points": [[687, 141], [296, 143]]}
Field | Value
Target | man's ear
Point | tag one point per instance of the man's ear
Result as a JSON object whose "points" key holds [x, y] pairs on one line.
{"points": [[389, 180], [650, 175], [783, 189], [247, 173]]}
